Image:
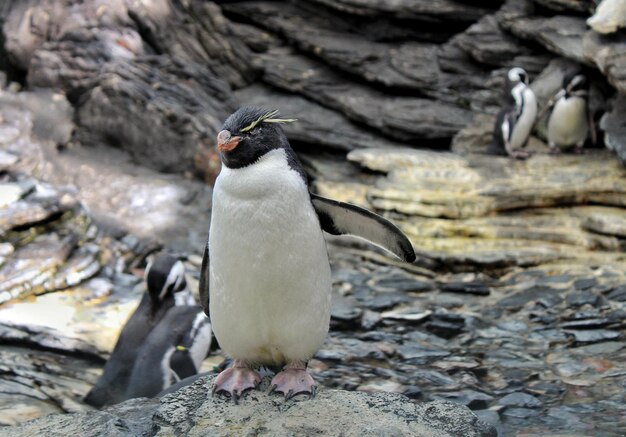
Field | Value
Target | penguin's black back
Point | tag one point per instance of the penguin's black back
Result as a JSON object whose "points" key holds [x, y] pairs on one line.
{"points": [[147, 378], [496, 147], [111, 387]]}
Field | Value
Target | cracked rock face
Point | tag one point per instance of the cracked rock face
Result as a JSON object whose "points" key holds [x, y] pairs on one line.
{"points": [[192, 411]]}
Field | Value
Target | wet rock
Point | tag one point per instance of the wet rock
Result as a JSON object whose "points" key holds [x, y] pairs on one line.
{"points": [[618, 294], [609, 16], [466, 287], [581, 298], [415, 315], [347, 349], [417, 354], [401, 282], [345, 310], [446, 325], [586, 323], [518, 300], [521, 400], [519, 413], [472, 399], [370, 319], [593, 335]]}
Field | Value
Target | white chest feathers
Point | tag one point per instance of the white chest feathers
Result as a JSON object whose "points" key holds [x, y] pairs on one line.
{"points": [[269, 271], [526, 113], [568, 123]]}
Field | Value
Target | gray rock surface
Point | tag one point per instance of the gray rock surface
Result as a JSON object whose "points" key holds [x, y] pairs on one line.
{"points": [[487, 43], [416, 9], [144, 108], [609, 54], [193, 411], [316, 124], [402, 118]]}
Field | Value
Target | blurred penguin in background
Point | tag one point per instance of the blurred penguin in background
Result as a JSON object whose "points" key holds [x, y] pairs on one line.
{"points": [[166, 287], [174, 350], [570, 121], [516, 118]]}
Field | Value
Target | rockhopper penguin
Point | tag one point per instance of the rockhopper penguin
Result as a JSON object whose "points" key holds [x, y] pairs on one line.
{"points": [[516, 117], [570, 121], [265, 278], [165, 287]]}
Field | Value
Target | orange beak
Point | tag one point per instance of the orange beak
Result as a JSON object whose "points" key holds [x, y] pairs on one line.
{"points": [[225, 142]]}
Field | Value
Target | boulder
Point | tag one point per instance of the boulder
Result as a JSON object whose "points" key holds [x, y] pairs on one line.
{"points": [[193, 411]]}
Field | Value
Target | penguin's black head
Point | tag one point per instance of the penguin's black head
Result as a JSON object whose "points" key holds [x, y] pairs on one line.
{"points": [[250, 133], [517, 75], [165, 275], [575, 81]]}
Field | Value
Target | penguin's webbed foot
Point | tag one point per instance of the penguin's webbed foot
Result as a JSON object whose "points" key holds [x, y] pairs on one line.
{"points": [[554, 150], [293, 380], [520, 154], [236, 380]]}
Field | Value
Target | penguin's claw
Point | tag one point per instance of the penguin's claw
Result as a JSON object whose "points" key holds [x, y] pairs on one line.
{"points": [[292, 382], [235, 381]]}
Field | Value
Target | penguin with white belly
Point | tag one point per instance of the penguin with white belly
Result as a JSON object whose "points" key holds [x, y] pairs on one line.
{"points": [[516, 118], [174, 350], [166, 287], [265, 278], [570, 121]]}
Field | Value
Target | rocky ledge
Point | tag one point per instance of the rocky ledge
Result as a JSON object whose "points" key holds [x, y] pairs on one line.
{"points": [[193, 411]]}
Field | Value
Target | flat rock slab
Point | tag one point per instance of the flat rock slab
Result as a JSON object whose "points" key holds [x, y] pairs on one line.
{"points": [[490, 211], [192, 411]]}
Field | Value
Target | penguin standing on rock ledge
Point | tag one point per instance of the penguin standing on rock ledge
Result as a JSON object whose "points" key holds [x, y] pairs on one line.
{"points": [[265, 277], [571, 121], [516, 117]]}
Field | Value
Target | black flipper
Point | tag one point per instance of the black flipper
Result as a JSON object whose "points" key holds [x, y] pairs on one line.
{"points": [[203, 288], [339, 218]]}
